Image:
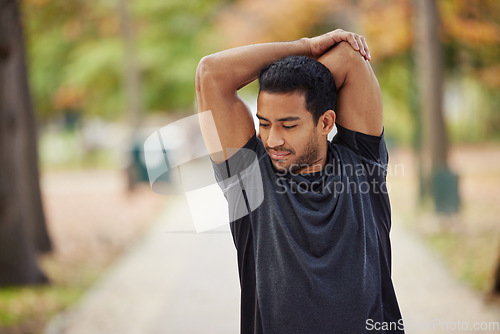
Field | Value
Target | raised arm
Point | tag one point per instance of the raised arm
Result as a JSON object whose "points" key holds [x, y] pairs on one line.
{"points": [[359, 101], [221, 75]]}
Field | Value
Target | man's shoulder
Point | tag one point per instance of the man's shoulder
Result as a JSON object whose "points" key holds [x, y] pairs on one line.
{"points": [[363, 146], [251, 154]]}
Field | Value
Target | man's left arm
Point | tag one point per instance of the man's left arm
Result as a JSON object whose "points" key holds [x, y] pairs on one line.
{"points": [[359, 101]]}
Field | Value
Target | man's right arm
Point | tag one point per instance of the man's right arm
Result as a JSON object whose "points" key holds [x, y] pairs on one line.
{"points": [[219, 76]]}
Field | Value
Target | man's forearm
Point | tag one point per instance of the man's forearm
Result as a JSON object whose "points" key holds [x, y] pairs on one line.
{"points": [[237, 67]]}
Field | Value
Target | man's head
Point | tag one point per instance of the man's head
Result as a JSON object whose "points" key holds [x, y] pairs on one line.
{"points": [[295, 108], [300, 73]]}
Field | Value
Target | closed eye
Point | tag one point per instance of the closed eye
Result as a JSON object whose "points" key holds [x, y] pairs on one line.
{"points": [[289, 126], [263, 125]]}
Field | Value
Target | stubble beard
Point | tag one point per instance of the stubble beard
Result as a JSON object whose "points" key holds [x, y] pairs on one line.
{"points": [[307, 159]]}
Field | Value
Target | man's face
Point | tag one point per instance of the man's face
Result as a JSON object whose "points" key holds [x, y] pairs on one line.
{"points": [[288, 131]]}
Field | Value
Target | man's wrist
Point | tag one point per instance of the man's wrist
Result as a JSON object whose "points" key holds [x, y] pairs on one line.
{"points": [[299, 47], [305, 46]]}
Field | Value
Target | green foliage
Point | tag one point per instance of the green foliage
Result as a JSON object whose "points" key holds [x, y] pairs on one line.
{"points": [[76, 53], [395, 79], [29, 309], [468, 256], [28, 304], [168, 40]]}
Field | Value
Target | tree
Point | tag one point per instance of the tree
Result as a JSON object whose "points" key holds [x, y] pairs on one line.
{"points": [[22, 224], [434, 148], [76, 49]]}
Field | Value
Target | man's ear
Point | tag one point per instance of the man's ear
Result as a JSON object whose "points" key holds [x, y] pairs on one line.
{"points": [[326, 122]]}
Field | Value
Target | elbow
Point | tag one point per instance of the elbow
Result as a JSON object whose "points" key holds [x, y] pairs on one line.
{"points": [[205, 72], [348, 53], [201, 73]]}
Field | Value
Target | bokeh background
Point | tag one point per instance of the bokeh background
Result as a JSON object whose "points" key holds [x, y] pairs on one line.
{"points": [[84, 83]]}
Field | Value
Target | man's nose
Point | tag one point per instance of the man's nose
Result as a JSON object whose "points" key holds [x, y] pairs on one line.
{"points": [[275, 139]]}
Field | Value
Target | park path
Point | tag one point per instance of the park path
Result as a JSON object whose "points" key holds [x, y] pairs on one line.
{"points": [[176, 281], [431, 300]]}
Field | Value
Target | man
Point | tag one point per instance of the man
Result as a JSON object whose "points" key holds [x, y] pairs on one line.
{"points": [[314, 256]]}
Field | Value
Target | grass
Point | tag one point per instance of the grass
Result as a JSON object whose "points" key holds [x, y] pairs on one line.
{"points": [[468, 257], [28, 309], [35, 304]]}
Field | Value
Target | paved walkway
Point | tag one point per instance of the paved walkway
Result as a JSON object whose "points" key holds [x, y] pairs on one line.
{"points": [[182, 282], [431, 300]]}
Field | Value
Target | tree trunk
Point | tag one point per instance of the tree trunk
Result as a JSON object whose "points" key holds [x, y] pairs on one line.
{"points": [[22, 223], [131, 80], [438, 180], [496, 283]]}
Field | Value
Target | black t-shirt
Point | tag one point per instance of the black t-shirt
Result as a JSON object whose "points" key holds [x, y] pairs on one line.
{"points": [[313, 250]]}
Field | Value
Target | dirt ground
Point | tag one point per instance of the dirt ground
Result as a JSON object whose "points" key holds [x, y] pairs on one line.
{"points": [[91, 215]]}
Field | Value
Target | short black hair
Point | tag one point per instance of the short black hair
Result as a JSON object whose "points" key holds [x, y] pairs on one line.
{"points": [[300, 73]]}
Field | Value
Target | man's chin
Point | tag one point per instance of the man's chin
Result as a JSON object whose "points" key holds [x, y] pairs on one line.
{"points": [[281, 165], [292, 167], [284, 166]]}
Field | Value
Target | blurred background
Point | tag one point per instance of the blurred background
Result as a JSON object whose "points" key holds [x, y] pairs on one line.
{"points": [[83, 83]]}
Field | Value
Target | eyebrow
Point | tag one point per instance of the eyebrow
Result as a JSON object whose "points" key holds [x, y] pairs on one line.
{"points": [[285, 119]]}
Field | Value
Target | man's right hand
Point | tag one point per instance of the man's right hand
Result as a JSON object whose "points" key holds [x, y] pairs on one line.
{"points": [[320, 44]]}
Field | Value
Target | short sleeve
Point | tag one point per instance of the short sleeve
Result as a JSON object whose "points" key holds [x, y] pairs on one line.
{"points": [[239, 178], [238, 160], [372, 148]]}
